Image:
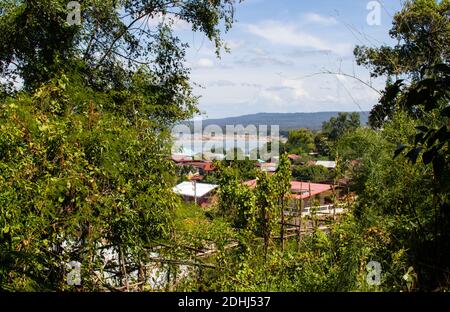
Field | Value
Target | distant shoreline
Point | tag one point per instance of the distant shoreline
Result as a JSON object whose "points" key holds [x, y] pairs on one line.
{"points": [[237, 137], [285, 121]]}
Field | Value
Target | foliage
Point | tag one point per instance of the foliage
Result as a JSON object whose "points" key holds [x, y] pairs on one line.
{"points": [[84, 140], [421, 57], [322, 144], [300, 141], [311, 173], [38, 41], [76, 178], [423, 33], [245, 168], [338, 126], [236, 200]]}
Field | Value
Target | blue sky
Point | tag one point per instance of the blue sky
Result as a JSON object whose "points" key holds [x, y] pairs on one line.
{"points": [[278, 50]]}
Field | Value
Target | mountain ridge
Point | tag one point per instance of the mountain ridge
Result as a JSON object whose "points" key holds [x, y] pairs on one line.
{"points": [[286, 121]]}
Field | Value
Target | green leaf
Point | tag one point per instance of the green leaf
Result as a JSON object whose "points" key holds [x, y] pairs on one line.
{"points": [[414, 154], [428, 156], [400, 149], [446, 112], [422, 128]]}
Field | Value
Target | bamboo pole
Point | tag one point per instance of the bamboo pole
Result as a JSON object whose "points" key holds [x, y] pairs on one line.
{"points": [[282, 224]]}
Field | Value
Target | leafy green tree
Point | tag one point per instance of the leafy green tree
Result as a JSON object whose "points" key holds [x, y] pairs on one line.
{"points": [[423, 36], [39, 43], [236, 201], [311, 173], [84, 144], [338, 126], [282, 179], [70, 182], [300, 141], [322, 144], [421, 59], [245, 168]]}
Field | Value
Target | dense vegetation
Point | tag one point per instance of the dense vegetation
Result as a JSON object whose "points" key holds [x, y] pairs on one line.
{"points": [[84, 143], [84, 146]]}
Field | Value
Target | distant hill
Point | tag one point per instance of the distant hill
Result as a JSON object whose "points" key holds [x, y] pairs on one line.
{"points": [[286, 121]]}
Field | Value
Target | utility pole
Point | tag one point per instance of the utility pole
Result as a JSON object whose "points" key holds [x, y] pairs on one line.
{"points": [[194, 181], [195, 191]]}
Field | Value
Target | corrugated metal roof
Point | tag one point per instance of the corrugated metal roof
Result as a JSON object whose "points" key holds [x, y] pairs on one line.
{"points": [[302, 189], [268, 167], [188, 189], [326, 163]]}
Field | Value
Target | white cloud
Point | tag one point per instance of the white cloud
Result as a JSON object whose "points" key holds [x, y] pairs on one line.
{"points": [[234, 44], [259, 61], [258, 51], [248, 90], [289, 35], [315, 18], [221, 83], [204, 63], [296, 86], [272, 97]]}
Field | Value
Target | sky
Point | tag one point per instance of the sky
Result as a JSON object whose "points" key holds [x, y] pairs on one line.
{"points": [[281, 51]]}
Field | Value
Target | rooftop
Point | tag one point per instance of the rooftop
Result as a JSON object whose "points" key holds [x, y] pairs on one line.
{"points": [[181, 158], [192, 189], [302, 190], [326, 163], [267, 167], [293, 156]]}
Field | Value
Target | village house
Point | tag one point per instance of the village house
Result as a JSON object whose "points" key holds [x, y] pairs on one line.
{"points": [[189, 166], [294, 157], [326, 163], [267, 167], [305, 194], [197, 193]]}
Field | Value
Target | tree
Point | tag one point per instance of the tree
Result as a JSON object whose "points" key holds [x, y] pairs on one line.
{"points": [[300, 141], [39, 43], [311, 173], [245, 168], [338, 126], [86, 186], [423, 36], [282, 179], [84, 144], [236, 201], [421, 59], [322, 144]]}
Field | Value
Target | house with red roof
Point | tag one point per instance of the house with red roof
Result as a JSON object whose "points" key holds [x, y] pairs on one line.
{"points": [[305, 194], [197, 167], [267, 167], [294, 157]]}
